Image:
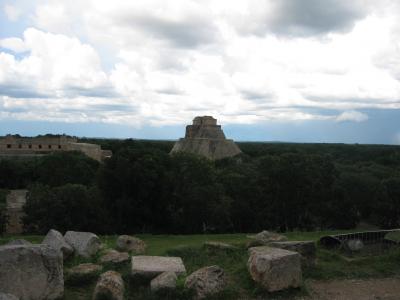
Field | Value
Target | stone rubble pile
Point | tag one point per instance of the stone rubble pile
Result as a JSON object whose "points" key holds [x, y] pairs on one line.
{"points": [[36, 272]]}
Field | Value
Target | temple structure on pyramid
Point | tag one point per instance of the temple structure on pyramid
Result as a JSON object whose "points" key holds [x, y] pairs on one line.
{"points": [[205, 137]]}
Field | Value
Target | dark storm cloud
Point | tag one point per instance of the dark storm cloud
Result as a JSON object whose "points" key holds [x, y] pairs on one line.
{"points": [[313, 17], [189, 33]]}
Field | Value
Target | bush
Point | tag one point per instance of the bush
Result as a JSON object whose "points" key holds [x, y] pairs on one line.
{"points": [[68, 207]]}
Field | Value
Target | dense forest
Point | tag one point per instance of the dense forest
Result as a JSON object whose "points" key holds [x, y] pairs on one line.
{"points": [[277, 186]]}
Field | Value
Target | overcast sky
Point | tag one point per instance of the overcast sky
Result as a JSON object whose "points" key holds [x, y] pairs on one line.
{"points": [[283, 70]]}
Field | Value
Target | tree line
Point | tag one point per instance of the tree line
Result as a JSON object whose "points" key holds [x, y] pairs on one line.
{"points": [[143, 189]]}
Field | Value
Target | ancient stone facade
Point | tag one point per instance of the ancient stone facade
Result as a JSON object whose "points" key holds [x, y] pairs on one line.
{"points": [[205, 137], [15, 146], [16, 200]]}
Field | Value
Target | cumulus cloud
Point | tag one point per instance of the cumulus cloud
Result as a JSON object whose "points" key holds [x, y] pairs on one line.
{"points": [[163, 62], [352, 115], [13, 44], [55, 65]]}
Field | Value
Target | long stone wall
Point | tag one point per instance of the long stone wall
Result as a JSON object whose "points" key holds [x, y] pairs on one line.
{"points": [[25, 146]]}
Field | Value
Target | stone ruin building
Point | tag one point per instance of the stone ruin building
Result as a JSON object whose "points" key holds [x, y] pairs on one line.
{"points": [[15, 146], [206, 138], [15, 200]]}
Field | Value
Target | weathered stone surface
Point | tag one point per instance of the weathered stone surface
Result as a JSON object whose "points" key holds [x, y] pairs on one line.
{"points": [[306, 249], [166, 280], [151, 266], [354, 245], [16, 200], [18, 242], [218, 245], [56, 240], [110, 286], [31, 272], [206, 138], [83, 273], [4, 296], [131, 244], [84, 244], [206, 281], [114, 257], [275, 269], [264, 237]]}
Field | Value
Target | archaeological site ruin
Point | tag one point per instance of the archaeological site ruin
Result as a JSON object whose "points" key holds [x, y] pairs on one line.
{"points": [[204, 137], [15, 146]]}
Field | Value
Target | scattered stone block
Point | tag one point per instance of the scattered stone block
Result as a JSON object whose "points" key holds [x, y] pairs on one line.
{"points": [[110, 286], [131, 244], [4, 296], [219, 246], [114, 257], [275, 269], [84, 244], [83, 273], [56, 240], [31, 272], [306, 249], [353, 245], [206, 281], [18, 242], [164, 281], [264, 238], [151, 266]]}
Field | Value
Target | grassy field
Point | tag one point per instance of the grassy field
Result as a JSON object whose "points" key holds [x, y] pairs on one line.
{"points": [[330, 265]]}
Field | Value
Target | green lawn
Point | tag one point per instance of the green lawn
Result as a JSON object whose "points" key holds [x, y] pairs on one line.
{"points": [[331, 264]]}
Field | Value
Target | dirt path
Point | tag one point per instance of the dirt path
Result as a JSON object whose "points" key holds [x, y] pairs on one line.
{"points": [[371, 289]]}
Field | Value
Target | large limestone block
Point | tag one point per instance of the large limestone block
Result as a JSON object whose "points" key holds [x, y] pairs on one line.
{"points": [[56, 240], [131, 244], [307, 250], [31, 272], [4, 296], [206, 281], [219, 246], [114, 257], [264, 238], [83, 273], [164, 281], [85, 244], [110, 286], [18, 242], [275, 269], [151, 266]]}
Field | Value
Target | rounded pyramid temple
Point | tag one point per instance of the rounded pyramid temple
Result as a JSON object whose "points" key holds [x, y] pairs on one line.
{"points": [[206, 138]]}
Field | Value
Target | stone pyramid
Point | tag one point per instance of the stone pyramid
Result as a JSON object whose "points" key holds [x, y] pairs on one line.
{"points": [[206, 138]]}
